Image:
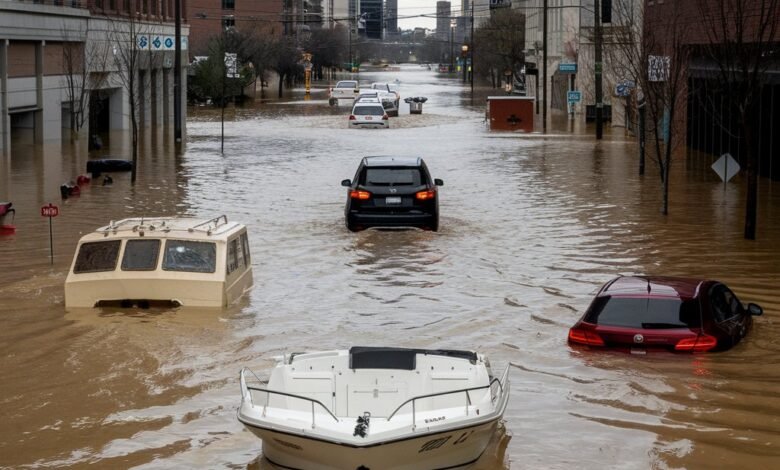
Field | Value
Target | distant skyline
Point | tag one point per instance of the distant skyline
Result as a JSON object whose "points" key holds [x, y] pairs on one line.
{"points": [[413, 8]]}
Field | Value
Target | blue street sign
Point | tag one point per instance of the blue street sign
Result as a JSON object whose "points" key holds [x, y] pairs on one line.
{"points": [[567, 68], [574, 96]]}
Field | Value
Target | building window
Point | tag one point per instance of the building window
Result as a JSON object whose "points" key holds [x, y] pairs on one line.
{"points": [[228, 22], [228, 4]]}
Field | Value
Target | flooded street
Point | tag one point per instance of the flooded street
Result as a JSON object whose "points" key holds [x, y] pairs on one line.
{"points": [[531, 227]]}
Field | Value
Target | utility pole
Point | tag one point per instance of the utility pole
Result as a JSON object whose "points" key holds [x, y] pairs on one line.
{"points": [[471, 50], [599, 69], [544, 68], [177, 75], [452, 59]]}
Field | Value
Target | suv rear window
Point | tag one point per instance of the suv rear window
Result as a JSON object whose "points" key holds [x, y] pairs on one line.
{"points": [[391, 177], [346, 85], [377, 110], [644, 313]]}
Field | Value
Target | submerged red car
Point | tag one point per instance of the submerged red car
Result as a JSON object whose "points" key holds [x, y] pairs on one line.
{"points": [[677, 314]]}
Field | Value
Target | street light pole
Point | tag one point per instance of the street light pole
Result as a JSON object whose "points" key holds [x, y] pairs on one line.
{"points": [[177, 74], [452, 59], [544, 69]]}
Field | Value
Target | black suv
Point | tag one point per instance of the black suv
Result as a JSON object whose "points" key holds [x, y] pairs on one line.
{"points": [[392, 192]]}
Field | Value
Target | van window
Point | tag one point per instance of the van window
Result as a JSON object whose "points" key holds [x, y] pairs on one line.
{"points": [[189, 256], [232, 255], [95, 257], [141, 255], [245, 247]]}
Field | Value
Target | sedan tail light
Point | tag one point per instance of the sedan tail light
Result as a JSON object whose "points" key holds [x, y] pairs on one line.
{"points": [[425, 195], [352, 117], [363, 195], [585, 337], [700, 343]]}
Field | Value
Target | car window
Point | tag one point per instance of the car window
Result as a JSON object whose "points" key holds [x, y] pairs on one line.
{"points": [[97, 256], [725, 304], [368, 111], [141, 255], [391, 177], [346, 84], [194, 257], [644, 313]]}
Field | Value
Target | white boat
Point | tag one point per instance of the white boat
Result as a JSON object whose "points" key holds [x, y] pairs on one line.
{"points": [[170, 260], [373, 408]]}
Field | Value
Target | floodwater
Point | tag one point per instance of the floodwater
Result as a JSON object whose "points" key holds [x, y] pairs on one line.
{"points": [[530, 228]]}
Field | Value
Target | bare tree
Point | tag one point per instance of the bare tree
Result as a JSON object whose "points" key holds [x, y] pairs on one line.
{"points": [[654, 51], [504, 31], [132, 55], [84, 63], [742, 41]]}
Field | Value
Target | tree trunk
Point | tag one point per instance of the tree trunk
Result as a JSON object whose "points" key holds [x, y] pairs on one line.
{"points": [[752, 179]]}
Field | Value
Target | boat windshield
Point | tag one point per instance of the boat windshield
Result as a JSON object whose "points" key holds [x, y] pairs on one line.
{"points": [[189, 256], [95, 257]]}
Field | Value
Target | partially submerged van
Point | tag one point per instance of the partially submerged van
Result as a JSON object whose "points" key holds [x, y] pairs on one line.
{"points": [[162, 260]]}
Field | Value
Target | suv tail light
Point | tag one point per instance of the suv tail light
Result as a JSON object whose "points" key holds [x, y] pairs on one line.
{"points": [[384, 117], [352, 117], [363, 195], [581, 336], [700, 343], [425, 195]]}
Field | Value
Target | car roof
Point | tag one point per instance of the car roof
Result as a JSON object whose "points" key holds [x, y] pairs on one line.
{"points": [[653, 286], [392, 161]]}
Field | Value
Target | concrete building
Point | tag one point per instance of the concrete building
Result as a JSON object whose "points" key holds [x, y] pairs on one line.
{"points": [[51, 51]]}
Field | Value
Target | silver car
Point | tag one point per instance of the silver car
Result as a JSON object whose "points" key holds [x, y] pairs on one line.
{"points": [[369, 113]]}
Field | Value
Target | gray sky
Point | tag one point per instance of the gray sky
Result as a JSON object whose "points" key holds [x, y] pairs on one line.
{"points": [[417, 7]]}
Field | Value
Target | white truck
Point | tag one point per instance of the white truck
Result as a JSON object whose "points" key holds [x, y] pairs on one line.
{"points": [[344, 90]]}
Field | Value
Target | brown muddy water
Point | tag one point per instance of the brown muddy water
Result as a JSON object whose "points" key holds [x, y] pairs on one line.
{"points": [[531, 227]]}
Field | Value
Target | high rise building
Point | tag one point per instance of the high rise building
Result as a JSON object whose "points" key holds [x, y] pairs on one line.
{"points": [[443, 14], [372, 12], [391, 16]]}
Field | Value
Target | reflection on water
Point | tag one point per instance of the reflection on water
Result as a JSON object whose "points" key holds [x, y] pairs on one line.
{"points": [[530, 228]]}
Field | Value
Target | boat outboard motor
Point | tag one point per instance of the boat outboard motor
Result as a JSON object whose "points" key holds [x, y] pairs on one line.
{"points": [[361, 428]]}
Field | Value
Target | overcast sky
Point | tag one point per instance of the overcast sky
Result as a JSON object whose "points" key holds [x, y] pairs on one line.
{"points": [[417, 7]]}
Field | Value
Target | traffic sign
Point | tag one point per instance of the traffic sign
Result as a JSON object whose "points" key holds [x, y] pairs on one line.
{"points": [[574, 96], [567, 68], [726, 167], [50, 211]]}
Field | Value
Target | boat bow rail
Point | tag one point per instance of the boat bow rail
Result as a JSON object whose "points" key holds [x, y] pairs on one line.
{"points": [[494, 395], [247, 390], [497, 387]]}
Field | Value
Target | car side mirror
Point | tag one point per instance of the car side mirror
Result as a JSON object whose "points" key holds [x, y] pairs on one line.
{"points": [[755, 310], [438, 182], [346, 183]]}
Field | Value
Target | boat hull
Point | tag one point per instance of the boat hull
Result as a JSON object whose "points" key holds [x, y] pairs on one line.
{"points": [[452, 448]]}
